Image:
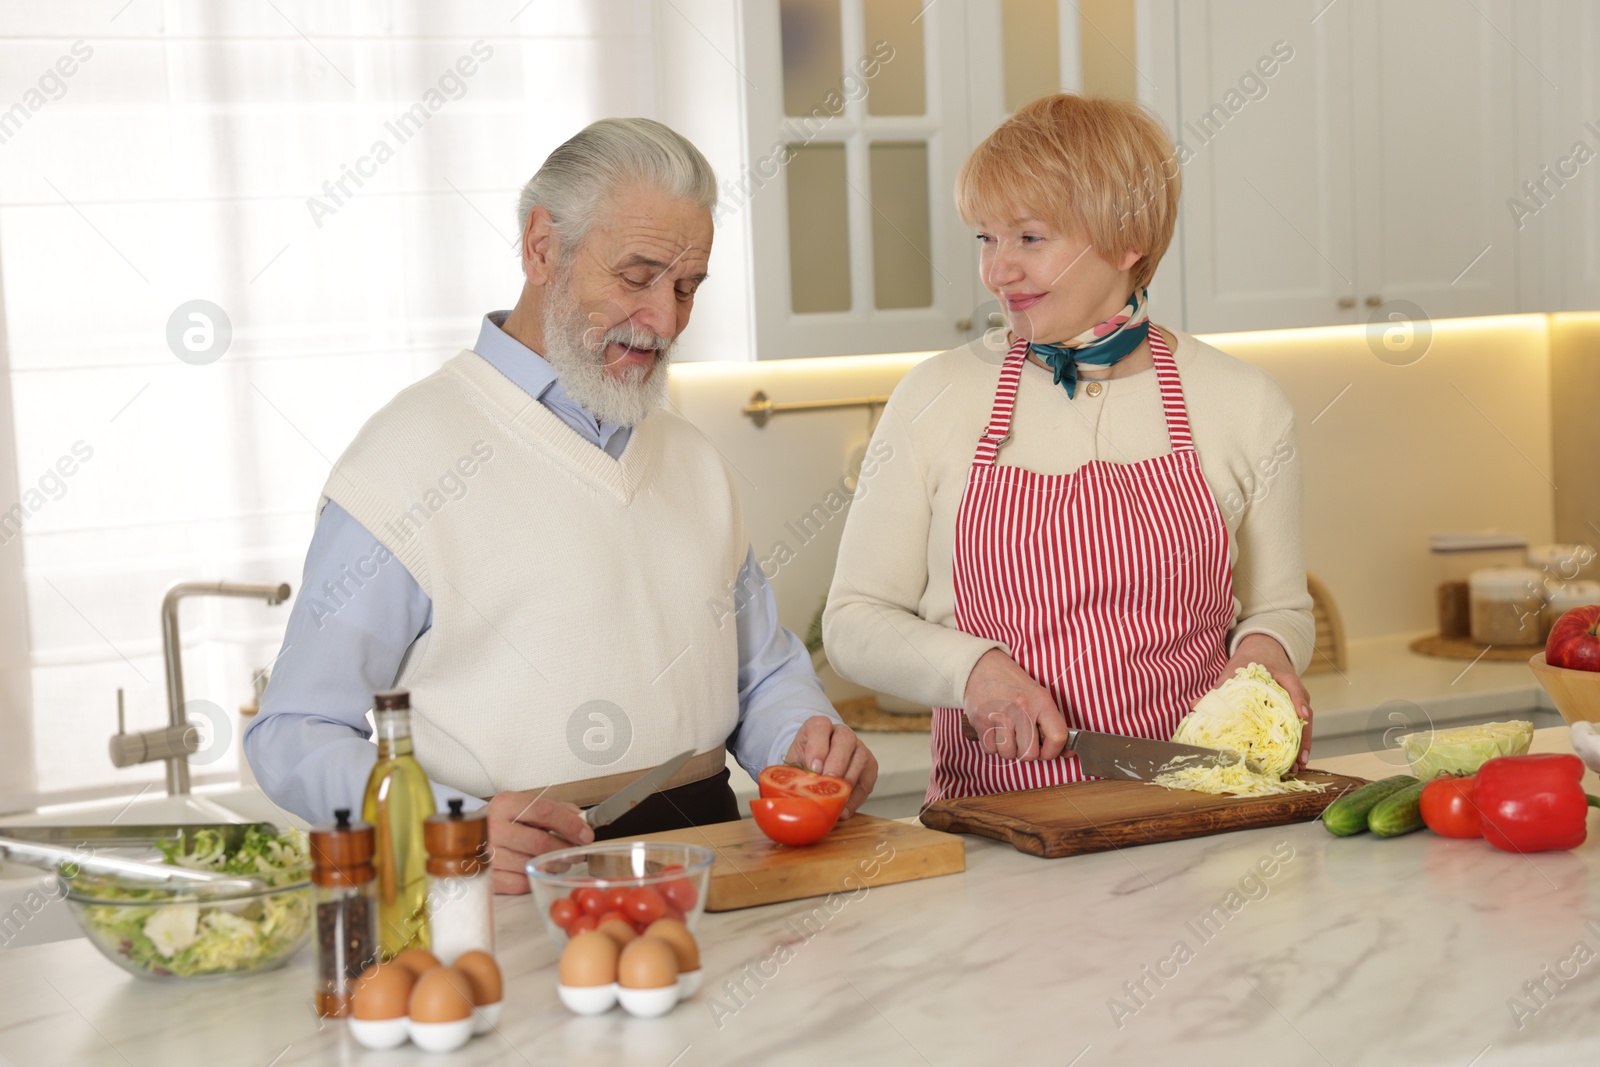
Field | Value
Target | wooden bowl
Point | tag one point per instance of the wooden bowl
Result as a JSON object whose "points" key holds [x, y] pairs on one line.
{"points": [[1576, 694]]}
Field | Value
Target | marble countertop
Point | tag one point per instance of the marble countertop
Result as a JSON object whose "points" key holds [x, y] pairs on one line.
{"points": [[1285, 945]]}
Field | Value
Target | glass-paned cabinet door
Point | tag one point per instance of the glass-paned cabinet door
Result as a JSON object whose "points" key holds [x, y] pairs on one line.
{"points": [[857, 113]]}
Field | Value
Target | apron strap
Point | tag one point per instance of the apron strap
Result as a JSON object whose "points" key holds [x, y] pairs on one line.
{"points": [[998, 432], [1005, 400], [1172, 404]]}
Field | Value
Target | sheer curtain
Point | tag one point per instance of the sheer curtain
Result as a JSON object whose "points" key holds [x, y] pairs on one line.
{"points": [[336, 182]]}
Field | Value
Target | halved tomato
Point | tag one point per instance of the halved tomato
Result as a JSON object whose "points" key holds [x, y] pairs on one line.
{"points": [[793, 820], [784, 780]]}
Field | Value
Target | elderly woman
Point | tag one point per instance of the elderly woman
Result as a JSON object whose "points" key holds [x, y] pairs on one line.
{"points": [[1095, 528]]}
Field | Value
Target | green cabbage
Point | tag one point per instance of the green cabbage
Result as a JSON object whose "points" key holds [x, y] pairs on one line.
{"points": [[1250, 714], [1464, 749]]}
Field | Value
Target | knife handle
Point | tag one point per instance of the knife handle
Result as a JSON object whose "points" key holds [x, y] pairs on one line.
{"points": [[971, 733]]}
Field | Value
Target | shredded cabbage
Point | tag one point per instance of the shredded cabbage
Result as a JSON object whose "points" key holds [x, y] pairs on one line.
{"points": [[1464, 749], [1249, 714]]}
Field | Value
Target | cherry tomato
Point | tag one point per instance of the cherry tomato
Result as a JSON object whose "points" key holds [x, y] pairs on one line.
{"points": [[680, 894], [563, 911], [616, 898], [580, 924], [1450, 809], [782, 780], [619, 916], [590, 900], [792, 820], [646, 905], [674, 913]]}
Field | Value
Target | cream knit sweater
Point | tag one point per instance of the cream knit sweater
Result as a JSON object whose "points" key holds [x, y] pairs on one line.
{"points": [[576, 624], [890, 621]]}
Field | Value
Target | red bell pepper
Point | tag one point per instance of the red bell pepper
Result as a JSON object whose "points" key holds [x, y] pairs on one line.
{"points": [[1533, 803], [1450, 808]]}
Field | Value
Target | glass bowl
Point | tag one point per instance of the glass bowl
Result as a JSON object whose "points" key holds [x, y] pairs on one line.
{"points": [[185, 930], [675, 875]]}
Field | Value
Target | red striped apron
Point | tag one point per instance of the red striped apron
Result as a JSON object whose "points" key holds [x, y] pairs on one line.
{"points": [[1110, 586]]}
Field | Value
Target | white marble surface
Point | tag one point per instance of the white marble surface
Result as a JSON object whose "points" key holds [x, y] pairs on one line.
{"points": [[1353, 952]]}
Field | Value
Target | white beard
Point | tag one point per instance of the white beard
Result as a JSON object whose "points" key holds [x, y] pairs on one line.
{"points": [[625, 401]]}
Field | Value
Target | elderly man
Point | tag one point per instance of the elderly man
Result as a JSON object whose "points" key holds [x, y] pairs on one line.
{"points": [[528, 543]]}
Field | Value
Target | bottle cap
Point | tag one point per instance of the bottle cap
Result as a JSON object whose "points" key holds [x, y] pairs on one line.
{"points": [[392, 700], [341, 853]]}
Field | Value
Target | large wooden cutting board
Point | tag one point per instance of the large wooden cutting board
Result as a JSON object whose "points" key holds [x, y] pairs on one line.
{"points": [[861, 851], [1094, 816]]}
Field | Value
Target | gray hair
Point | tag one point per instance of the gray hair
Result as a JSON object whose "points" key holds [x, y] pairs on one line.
{"points": [[577, 178]]}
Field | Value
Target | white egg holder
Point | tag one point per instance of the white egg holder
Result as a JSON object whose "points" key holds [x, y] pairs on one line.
{"points": [[642, 1003], [380, 1034]]}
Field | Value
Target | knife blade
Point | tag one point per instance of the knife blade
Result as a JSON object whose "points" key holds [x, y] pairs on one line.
{"points": [[628, 797], [1137, 759]]}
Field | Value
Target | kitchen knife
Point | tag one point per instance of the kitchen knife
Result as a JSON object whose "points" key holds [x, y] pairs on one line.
{"points": [[1137, 759], [628, 797]]}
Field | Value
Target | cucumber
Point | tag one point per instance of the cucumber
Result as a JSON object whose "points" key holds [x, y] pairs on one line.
{"points": [[1348, 814], [1398, 813]]}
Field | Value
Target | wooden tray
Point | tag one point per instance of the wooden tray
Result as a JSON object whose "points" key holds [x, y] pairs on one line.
{"points": [[861, 851], [1095, 816], [1467, 648]]}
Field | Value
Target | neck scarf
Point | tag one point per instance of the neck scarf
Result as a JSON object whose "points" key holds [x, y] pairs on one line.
{"points": [[1100, 345]]}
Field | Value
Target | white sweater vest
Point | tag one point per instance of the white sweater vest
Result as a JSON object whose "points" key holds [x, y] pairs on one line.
{"points": [[575, 629]]}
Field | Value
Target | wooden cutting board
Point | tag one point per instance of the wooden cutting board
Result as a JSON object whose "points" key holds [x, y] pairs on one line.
{"points": [[1095, 816], [861, 851]]}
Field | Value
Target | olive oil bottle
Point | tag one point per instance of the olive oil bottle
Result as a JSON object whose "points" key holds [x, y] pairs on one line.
{"points": [[397, 801]]}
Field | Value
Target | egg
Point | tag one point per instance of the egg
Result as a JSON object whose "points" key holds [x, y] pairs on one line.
{"points": [[590, 959], [382, 992], [647, 963], [618, 931], [416, 960], [484, 972], [443, 995], [682, 941]]}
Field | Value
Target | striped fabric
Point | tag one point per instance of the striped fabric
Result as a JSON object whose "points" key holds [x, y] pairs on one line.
{"points": [[1110, 586]]}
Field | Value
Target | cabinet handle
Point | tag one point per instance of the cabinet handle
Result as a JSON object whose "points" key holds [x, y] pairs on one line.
{"points": [[1374, 300], [1346, 303]]}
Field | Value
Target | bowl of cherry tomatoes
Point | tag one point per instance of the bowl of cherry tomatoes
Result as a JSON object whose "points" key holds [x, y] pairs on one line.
{"points": [[629, 882]]}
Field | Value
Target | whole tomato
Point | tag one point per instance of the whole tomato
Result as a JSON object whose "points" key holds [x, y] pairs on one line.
{"points": [[1450, 809]]}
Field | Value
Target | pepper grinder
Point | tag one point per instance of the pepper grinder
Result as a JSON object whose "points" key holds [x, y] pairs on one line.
{"points": [[344, 887], [460, 886]]}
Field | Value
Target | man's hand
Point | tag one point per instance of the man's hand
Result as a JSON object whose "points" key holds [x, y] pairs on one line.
{"points": [[826, 747], [1259, 648], [524, 825], [1015, 716]]}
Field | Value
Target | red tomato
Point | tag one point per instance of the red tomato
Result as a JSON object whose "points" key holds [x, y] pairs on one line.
{"points": [[620, 916], [580, 924], [674, 913], [680, 894], [616, 898], [589, 899], [563, 911], [782, 780], [792, 820], [1450, 808], [645, 905]]}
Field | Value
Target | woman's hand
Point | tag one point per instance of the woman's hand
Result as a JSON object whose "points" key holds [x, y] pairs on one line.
{"points": [[826, 747], [1259, 648], [524, 825], [1015, 716]]}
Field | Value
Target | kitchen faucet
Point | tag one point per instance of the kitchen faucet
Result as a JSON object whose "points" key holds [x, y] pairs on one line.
{"points": [[179, 737]]}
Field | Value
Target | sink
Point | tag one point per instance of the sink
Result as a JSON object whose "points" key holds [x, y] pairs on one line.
{"points": [[31, 914]]}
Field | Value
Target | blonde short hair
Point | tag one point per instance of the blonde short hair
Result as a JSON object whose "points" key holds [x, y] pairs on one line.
{"points": [[1102, 169]]}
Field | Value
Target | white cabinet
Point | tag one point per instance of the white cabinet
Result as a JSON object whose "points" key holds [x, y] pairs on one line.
{"points": [[1563, 204], [1337, 156]]}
